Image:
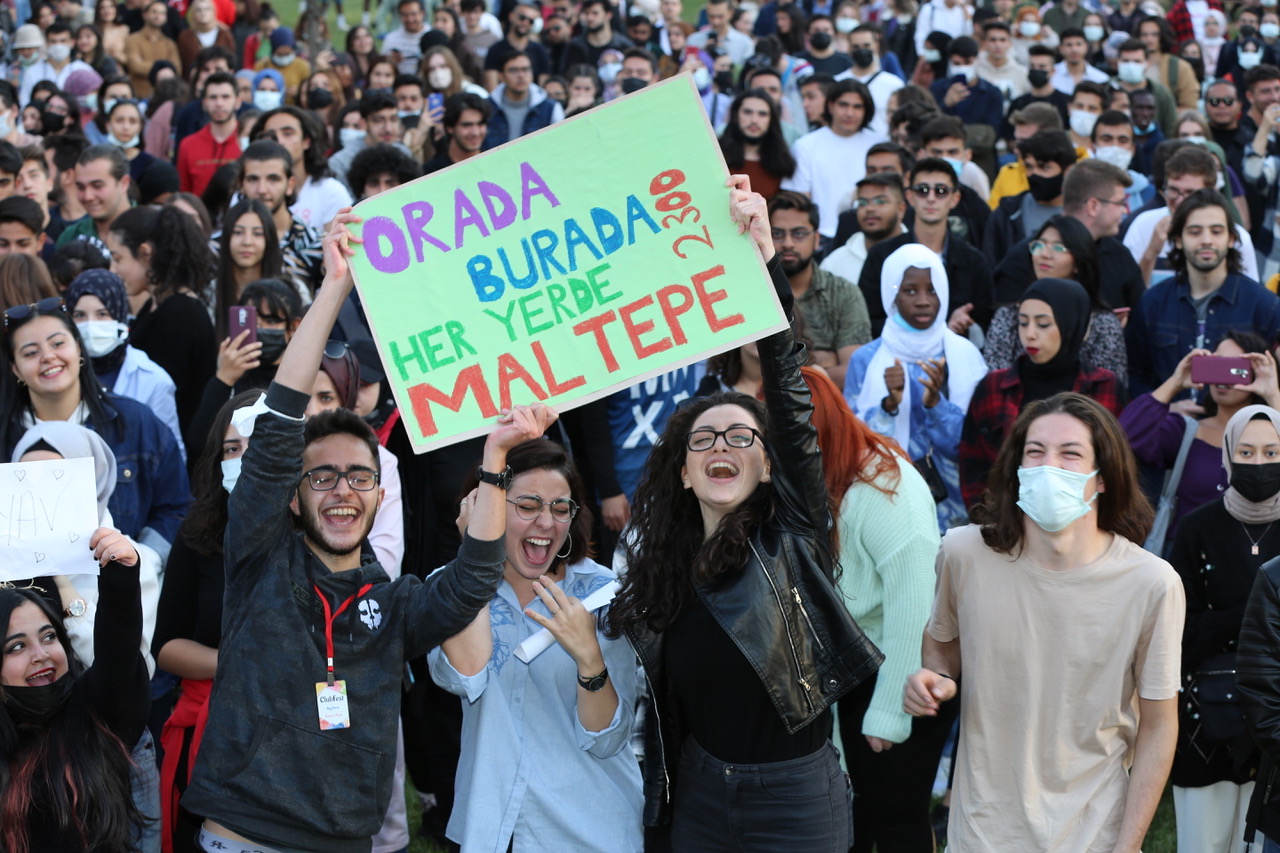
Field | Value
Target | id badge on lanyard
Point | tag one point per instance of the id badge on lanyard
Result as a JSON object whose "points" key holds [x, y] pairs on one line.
{"points": [[332, 707]]}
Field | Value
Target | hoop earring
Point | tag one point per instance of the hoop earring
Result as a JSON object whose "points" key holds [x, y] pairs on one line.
{"points": [[568, 546]]}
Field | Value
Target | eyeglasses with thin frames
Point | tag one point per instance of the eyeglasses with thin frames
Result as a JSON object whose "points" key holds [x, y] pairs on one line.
{"points": [[325, 479], [1038, 246], [529, 507], [700, 440]]}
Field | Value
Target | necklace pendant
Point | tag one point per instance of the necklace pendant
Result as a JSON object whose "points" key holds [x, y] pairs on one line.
{"points": [[1254, 550]]}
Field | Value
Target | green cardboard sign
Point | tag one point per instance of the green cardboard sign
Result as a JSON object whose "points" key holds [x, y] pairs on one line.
{"points": [[560, 267]]}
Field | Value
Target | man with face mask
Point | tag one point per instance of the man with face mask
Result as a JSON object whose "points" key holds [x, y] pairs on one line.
{"points": [[1047, 156], [100, 309], [1060, 536], [971, 99], [864, 47], [524, 23], [1040, 62], [821, 53], [58, 65], [1131, 76]]}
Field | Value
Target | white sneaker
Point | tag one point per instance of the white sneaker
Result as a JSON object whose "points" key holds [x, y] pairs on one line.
{"points": [[342, 23]]}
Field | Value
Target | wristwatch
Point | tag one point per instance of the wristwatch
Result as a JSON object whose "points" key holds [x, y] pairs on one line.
{"points": [[595, 682], [75, 607], [502, 479]]}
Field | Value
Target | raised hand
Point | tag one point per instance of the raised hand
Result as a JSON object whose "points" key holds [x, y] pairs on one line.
{"points": [[751, 212], [110, 545], [236, 358], [519, 425], [339, 245]]}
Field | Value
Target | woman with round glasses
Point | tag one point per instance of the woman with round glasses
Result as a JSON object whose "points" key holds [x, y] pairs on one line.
{"points": [[546, 762], [1062, 248], [729, 602]]}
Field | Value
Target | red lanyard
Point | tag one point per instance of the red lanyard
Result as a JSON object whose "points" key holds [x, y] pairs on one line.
{"points": [[329, 619]]}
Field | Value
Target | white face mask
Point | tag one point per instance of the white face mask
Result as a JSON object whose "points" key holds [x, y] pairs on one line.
{"points": [[1115, 155], [846, 25], [440, 78], [1131, 72], [1082, 122], [701, 78], [610, 71], [244, 142], [932, 56], [1053, 497], [1093, 32], [537, 25], [59, 52], [266, 100], [283, 61], [351, 136], [6, 124], [1029, 29], [1269, 31], [102, 337], [968, 72], [1250, 60], [230, 473], [128, 143], [108, 104]]}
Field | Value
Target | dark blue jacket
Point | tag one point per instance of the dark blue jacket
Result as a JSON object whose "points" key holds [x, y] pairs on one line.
{"points": [[985, 104], [1162, 327], [543, 112]]}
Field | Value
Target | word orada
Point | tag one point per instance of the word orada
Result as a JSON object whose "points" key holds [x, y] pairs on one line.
{"points": [[636, 322]]}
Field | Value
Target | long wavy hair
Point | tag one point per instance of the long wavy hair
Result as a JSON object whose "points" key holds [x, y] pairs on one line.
{"points": [[206, 524], [69, 768], [1122, 509], [666, 550], [180, 255], [775, 157]]}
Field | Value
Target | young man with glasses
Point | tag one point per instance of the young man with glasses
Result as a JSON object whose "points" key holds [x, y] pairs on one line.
{"points": [[879, 207], [520, 37], [301, 741], [932, 193], [520, 106], [835, 312], [1190, 169]]}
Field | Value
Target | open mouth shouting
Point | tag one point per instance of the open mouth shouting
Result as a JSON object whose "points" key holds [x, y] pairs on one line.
{"points": [[342, 516], [536, 550], [721, 470]]}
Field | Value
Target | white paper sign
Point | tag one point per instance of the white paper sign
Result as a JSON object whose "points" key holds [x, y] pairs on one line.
{"points": [[48, 511]]}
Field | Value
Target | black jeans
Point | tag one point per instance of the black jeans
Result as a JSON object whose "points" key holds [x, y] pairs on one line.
{"points": [[892, 789], [802, 804]]}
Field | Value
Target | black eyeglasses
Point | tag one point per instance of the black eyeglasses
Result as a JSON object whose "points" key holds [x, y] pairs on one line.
{"points": [[18, 313], [325, 479], [797, 234], [940, 190], [1227, 101], [739, 436], [529, 507]]}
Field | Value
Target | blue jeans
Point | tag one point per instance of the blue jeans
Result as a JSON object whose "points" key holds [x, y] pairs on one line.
{"points": [[144, 779], [1269, 846], [802, 804]]}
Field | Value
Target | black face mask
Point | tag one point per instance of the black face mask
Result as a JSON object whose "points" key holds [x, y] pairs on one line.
{"points": [[820, 41], [1038, 78], [1246, 32], [723, 80], [1042, 188], [631, 84], [863, 57], [318, 99], [273, 344], [38, 703], [1256, 483]]}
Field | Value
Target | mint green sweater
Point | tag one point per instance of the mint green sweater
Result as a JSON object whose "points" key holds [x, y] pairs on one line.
{"points": [[888, 548]]}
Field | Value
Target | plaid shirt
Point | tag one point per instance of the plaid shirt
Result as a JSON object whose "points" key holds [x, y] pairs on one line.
{"points": [[1180, 20], [995, 406]]}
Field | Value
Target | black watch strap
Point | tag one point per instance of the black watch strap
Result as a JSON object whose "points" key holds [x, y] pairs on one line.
{"points": [[502, 479], [595, 682]]}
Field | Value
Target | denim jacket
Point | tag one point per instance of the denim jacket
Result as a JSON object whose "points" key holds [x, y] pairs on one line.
{"points": [[1162, 327]]}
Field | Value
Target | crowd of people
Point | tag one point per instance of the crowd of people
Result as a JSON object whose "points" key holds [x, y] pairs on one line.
{"points": [[1027, 409]]}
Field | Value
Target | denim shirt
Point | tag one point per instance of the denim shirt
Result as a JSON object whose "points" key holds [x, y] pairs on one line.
{"points": [[937, 429], [1162, 327], [529, 769]]}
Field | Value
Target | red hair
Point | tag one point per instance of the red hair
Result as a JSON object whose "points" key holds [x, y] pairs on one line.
{"points": [[851, 451]]}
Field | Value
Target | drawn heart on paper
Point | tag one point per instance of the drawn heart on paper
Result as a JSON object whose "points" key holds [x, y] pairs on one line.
{"points": [[57, 473], [39, 556], [21, 474], [73, 536]]}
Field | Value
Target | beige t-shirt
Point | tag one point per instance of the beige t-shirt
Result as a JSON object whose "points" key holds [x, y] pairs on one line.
{"points": [[1053, 665]]}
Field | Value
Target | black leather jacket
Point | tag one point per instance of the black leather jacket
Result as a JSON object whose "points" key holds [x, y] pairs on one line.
{"points": [[1258, 679], [782, 609]]}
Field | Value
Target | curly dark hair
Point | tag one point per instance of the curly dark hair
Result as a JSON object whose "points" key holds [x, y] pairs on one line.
{"points": [[377, 159], [669, 550], [180, 256]]}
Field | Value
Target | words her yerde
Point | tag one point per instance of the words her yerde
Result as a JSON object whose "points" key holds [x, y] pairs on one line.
{"points": [[560, 267]]}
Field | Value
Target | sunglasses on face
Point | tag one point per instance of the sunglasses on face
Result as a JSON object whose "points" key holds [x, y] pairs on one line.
{"points": [[940, 190]]}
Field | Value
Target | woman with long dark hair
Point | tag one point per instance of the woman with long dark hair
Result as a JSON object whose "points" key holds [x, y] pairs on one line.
{"points": [[89, 50], [166, 265], [583, 724], [729, 602], [189, 625], [248, 250], [770, 163], [361, 52], [1062, 248]]}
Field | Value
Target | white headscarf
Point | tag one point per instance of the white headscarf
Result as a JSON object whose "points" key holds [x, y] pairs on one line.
{"points": [[73, 441], [965, 365]]}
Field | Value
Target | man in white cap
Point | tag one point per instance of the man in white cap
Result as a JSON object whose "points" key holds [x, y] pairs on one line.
{"points": [[57, 65]]}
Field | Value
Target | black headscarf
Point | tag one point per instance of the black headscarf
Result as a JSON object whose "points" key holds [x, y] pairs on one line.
{"points": [[110, 289], [1070, 304]]}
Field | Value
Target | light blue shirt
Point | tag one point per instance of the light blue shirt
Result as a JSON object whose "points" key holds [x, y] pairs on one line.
{"points": [[937, 428], [528, 767], [143, 380]]}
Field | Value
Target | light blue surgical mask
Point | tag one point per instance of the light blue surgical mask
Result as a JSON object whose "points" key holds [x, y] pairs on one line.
{"points": [[351, 137], [1053, 497], [1094, 33], [128, 143], [108, 104], [265, 99], [958, 165]]}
